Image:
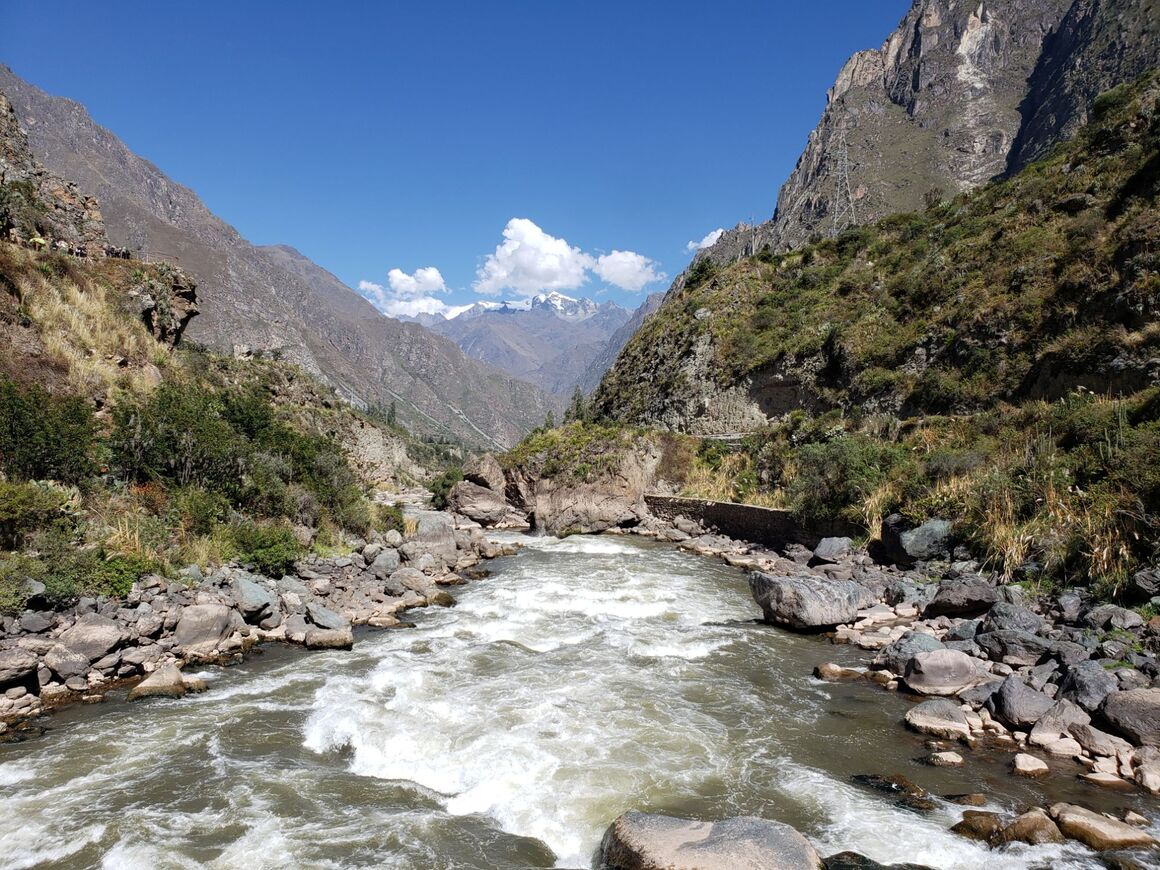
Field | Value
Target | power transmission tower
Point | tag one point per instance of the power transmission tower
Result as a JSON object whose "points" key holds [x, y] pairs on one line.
{"points": [[844, 214]]}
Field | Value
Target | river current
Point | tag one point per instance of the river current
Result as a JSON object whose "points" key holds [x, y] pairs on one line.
{"points": [[585, 677]]}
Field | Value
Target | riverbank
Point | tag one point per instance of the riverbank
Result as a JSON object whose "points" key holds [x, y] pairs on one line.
{"points": [[49, 659]]}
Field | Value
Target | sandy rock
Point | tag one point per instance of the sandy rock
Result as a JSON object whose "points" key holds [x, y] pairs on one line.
{"points": [[1029, 766], [643, 841], [1096, 831], [165, 682], [93, 636], [940, 672], [1034, 827], [1055, 726], [978, 825], [203, 627], [1097, 742], [833, 673], [939, 717], [944, 759], [329, 638]]}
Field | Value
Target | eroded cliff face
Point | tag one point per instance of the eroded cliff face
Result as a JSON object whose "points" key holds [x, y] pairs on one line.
{"points": [[935, 111]]}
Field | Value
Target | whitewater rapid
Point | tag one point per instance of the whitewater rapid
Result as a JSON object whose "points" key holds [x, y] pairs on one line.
{"points": [[586, 677]]}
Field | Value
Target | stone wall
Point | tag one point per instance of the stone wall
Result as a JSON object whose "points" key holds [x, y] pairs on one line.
{"points": [[770, 527]]}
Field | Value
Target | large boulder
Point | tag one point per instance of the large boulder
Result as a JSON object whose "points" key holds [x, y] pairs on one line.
{"points": [[1112, 616], [201, 628], [1097, 831], [484, 506], [1087, 683], [1135, 715], [939, 717], [940, 672], [254, 601], [895, 656], [93, 636], [435, 534], [385, 563], [17, 665], [1144, 586], [165, 682], [1053, 729], [65, 662], [485, 471], [644, 841], [325, 618], [1015, 647], [1034, 827], [1018, 704], [329, 638], [1003, 615], [830, 551], [965, 596], [807, 602], [903, 546]]}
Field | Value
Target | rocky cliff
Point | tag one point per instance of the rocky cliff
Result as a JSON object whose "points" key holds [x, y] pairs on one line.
{"points": [[274, 299]]}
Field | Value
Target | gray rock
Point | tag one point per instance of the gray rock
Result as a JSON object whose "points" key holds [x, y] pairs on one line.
{"points": [[980, 694], [940, 672], [485, 471], [1056, 723], [643, 841], [931, 540], [478, 503], [1070, 604], [1135, 715], [894, 656], [1098, 742], [385, 564], [65, 662], [202, 628], [1143, 586], [254, 601], [35, 623], [1018, 704], [807, 602], [940, 717], [1087, 683], [1004, 616], [408, 578], [830, 551], [961, 597], [296, 628], [16, 665], [1015, 648], [326, 618], [965, 630], [1112, 616], [93, 636]]}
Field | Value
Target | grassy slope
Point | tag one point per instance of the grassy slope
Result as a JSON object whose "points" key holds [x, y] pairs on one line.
{"points": [[990, 360], [263, 446]]}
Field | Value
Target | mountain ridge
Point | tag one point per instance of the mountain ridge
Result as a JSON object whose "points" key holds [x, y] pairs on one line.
{"points": [[264, 298]]}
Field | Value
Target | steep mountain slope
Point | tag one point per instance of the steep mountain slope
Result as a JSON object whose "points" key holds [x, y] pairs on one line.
{"points": [[604, 360], [551, 343], [273, 299], [959, 94], [1025, 289]]}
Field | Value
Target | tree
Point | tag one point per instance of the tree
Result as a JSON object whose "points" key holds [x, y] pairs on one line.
{"points": [[550, 421], [392, 415], [577, 411]]}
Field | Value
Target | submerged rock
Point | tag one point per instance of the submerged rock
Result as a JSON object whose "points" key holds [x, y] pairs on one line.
{"points": [[166, 682], [645, 841], [908, 795]]}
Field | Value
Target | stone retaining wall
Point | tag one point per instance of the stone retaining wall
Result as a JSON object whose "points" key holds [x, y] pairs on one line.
{"points": [[771, 527]]}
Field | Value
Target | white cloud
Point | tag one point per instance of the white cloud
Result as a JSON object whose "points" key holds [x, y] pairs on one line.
{"points": [[410, 295], [627, 270], [707, 242], [424, 282], [530, 261]]}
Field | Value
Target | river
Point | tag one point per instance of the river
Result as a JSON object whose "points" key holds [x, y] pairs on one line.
{"points": [[585, 677]]}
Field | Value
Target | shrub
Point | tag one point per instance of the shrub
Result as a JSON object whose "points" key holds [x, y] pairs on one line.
{"points": [[17, 572], [441, 486], [271, 548], [389, 517], [836, 475], [44, 436], [199, 510], [26, 508]]}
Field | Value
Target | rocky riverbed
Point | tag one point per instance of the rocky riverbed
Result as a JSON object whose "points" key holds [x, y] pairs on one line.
{"points": [[51, 658]]}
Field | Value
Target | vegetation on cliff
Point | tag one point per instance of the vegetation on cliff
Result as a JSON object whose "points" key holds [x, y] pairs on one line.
{"points": [[991, 360], [121, 453]]}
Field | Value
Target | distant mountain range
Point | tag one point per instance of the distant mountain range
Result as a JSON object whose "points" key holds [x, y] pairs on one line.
{"points": [[274, 298], [549, 339]]}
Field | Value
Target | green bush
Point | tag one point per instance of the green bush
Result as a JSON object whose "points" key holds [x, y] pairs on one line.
{"points": [[44, 436], [199, 511], [26, 508], [389, 518], [271, 548], [17, 571], [441, 486], [836, 475]]}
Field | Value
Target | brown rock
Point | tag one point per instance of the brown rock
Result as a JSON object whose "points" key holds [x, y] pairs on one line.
{"points": [[1096, 831]]}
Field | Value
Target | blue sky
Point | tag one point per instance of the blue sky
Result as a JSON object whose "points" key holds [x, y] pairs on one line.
{"points": [[511, 146]]}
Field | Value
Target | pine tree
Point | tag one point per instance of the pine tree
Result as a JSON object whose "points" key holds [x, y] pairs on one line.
{"points": [[550, 421], [391, 415]]}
